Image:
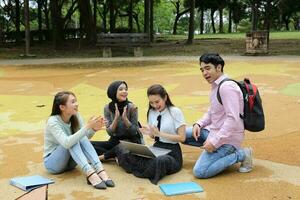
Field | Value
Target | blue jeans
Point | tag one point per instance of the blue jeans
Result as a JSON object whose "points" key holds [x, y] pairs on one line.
{"points": [[211, 164], [61, 159]]}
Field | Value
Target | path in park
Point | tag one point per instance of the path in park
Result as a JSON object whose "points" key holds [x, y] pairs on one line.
{"points": [[120, 59]]}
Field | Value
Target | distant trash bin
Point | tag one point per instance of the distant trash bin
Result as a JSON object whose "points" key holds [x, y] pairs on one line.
{"points": [[257, 42]]}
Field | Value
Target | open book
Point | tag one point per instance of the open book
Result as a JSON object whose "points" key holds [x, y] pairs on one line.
{"points": [[28, 183], [180, 188]]}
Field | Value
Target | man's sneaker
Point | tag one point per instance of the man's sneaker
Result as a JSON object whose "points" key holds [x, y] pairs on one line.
{"points": [[247, 165]]}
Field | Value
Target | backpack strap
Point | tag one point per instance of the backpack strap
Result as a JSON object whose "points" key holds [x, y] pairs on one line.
{"points": [[218, 92]]}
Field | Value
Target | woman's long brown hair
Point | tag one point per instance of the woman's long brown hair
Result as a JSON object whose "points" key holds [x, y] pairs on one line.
{"points": [[61, 98], [158, 89]]}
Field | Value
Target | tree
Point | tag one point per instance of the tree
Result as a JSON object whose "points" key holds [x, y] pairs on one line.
{"points": [[212, 5], [56, 22], [130, 16], [191, 22], [287, 9], [147, 16], [201, 8], [221, 5], [255, 14], [40, 19], [103, 10], [178, 13], [112, 16], [151, 20], [87, 21], [27, 26], [18, 33], [230, 8], [238, 12], [45, 9]]}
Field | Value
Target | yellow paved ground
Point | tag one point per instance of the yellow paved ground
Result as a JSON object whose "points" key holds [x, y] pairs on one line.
{"points": [[26, 94]]}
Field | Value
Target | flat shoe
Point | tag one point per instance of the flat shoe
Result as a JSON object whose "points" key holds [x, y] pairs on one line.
{"points": [[109, 183], [101, 185]]}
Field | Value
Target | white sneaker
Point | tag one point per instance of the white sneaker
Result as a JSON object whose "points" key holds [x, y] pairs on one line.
{"points": [[247, 164]]}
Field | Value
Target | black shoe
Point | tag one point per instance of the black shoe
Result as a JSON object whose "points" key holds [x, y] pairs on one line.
{"points": [[101, 185], [108, 182]]}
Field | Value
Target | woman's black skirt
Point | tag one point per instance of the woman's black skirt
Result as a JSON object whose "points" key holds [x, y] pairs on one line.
{"points": [[152, 168]]}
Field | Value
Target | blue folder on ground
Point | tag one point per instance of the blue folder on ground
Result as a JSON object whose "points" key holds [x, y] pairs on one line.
{"points": [[180, 188], [28, 183]]}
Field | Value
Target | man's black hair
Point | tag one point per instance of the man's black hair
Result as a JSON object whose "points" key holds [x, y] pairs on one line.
{"points": [[212, 58]]}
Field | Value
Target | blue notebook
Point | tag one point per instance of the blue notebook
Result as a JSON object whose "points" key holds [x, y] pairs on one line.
{"points": [[180, 188], [28, 183]]}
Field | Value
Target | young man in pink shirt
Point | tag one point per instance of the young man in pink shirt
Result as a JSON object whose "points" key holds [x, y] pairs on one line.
{"points": [[221, 130]]}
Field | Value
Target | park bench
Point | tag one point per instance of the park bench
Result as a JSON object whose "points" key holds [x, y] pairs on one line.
{"points": [[137, 41]]}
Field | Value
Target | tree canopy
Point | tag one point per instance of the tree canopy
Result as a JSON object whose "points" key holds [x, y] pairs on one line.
{"points": [[60, 20]]}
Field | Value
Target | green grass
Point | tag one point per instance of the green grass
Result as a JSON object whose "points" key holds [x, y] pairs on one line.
{"points": [[286, 35], [273, 35]]}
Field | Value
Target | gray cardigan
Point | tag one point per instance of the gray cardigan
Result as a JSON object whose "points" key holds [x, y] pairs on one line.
{"points": [[122, 132], [57, 132]]}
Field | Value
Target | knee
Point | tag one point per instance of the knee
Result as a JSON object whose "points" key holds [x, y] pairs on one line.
{"points": [[54, 171], [200, 172]]}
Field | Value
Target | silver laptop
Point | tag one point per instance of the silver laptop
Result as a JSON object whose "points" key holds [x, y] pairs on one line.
{"points": [[143, 150]]}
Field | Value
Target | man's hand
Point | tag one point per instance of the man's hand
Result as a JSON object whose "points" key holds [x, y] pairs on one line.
{"points": [[209, 147], [196, 131]]}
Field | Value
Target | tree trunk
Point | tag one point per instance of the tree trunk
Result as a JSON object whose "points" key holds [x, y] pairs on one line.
{"points": [[18, 34], [267, 16], [175, 25], [230, 19], [80, 32], [47, 23], [151, 21], [177, 5], [147, 16], [178, 15], [221, 29], [112, 18], [87, 20], [95, 13], [57, 32], [286, 22], [254, 8], [130, 16], [212, 12], [202, 20], [40, 19], [104, 15], [136, 19], [27, 26], [191, 23]]}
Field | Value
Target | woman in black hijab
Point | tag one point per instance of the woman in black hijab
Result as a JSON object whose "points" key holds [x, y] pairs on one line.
{"points": [[122, 121]]}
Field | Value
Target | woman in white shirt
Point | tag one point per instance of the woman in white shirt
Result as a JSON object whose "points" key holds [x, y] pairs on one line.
{"points": [[67, 144], [166, 125]]}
